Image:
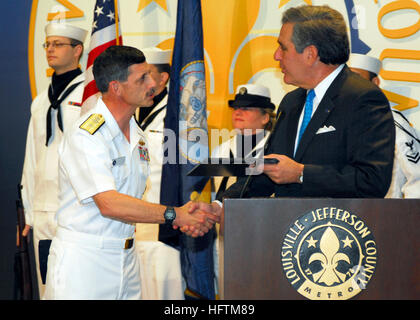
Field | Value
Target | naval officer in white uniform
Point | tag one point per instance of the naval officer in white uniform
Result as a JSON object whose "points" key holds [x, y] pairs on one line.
{"points": [[53, 111], [405, 181], [160, 265], [103, 170]]}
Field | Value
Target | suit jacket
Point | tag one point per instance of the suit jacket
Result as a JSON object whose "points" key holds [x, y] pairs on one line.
{"points": [[347, 148]]}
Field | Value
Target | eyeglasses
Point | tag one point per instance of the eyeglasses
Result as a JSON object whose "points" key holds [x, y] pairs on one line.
{"points": [[56, 45]]}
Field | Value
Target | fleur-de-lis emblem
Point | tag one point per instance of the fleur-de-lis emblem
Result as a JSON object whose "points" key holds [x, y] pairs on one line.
{"points": [[329, 258]]}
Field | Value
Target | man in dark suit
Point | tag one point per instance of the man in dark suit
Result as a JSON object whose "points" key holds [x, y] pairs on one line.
{"points": [[334, 135]]}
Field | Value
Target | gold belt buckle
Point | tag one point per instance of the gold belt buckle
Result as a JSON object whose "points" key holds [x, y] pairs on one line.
{"points": [[128, 243]]}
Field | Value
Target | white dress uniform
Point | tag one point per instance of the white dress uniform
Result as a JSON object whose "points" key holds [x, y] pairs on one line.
{"points": [[40, 169], [160, 264], [405, 181], [88, 259]]}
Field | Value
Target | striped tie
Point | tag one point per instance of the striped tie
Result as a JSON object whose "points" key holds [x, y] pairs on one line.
{"points": [[307, 113]]}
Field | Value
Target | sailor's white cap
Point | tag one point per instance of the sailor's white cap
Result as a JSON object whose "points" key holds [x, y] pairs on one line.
{"points": [[65, 30], [157, 55], [252, 95], [364, 62]]}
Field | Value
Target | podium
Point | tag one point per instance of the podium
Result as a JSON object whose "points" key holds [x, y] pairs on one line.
{"points": [[320, 249]]}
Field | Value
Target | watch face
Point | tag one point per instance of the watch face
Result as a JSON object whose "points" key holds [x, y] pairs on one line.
{"points": [[170, 214]]}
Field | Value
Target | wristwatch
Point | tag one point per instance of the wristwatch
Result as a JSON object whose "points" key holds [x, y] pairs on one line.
{"points": [[169, 215], [301, 177]]}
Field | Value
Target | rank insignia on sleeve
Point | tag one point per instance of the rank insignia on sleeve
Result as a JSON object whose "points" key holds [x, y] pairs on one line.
{"points": [[93, 123], [412, 155]]}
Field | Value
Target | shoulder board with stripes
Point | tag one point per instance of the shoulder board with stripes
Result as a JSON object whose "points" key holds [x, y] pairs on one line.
{"points": [[93, 123]]}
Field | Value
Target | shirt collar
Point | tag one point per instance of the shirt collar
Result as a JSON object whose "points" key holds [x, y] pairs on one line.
{"points": [[323, 86], [109, 118], [136, 134]]}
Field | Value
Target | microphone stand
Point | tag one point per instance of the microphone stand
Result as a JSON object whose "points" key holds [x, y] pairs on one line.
{"points": [[267, 143]]}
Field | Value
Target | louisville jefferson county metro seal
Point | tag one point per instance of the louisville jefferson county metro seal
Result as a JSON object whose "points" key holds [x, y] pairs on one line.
{"points": [[329, 253]]}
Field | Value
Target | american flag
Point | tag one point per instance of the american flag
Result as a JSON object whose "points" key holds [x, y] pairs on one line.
{"points": [[106, 32]]}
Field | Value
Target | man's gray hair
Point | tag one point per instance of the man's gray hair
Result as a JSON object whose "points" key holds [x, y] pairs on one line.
{"points": [[322, 27]]}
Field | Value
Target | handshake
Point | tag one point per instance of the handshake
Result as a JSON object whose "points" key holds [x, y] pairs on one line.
{"points": [[197, 218]]}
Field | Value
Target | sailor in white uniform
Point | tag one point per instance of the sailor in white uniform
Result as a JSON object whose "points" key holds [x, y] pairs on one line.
{"points": [[53, 111], [160, 265], [405, 181], [103, 170]]}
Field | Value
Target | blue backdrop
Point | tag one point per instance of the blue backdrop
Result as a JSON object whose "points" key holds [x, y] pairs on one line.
{"points": [[15, 109]]}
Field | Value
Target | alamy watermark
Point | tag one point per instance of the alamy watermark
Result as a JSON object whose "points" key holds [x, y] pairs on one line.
{"points": [[193, 147]]}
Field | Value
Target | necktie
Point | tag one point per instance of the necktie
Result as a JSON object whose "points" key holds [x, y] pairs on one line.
{"points": [[307, 113], [56, 106]]}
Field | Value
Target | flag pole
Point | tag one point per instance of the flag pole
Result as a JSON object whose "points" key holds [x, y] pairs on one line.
{"points": [[117, 28]]}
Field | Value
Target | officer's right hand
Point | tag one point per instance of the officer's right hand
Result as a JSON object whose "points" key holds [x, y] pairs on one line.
{"points": [[193, 220]]}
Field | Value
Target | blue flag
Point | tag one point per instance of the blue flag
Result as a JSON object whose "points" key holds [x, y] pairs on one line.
{"points": [[186, 143]]}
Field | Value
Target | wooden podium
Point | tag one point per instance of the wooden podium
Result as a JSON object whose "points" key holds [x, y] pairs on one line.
{"points": [[270, 250]]}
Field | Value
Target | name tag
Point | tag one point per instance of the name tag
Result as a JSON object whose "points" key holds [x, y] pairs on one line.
{"points": [[118, 161]]}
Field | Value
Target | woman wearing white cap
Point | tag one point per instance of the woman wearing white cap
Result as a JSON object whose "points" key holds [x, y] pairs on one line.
{"points": [[252, 117], [52, 112]]}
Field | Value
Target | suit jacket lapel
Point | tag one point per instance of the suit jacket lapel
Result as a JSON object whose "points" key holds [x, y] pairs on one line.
{"points": [[291, 131], [318, 119], [321, 114]]}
